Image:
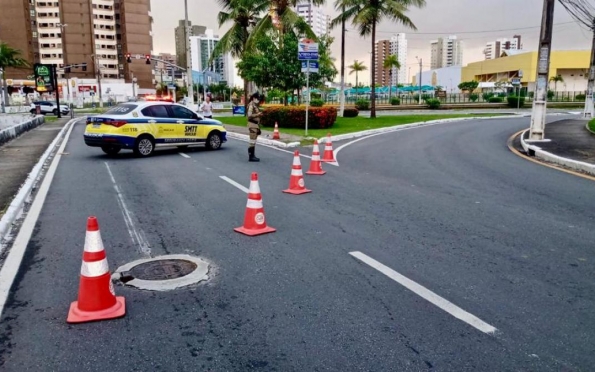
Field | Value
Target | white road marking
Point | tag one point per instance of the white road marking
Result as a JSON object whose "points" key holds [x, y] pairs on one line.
{"points": [[234, 183], [15, 256], [184, 155], [137, 235], [428, 295]]}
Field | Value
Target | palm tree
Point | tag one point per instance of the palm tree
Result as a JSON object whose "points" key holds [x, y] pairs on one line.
{"points": [[366, 14], [556, 79], [9, 57], [283, 18], [244, 15], [390, 62], [356, 67]]}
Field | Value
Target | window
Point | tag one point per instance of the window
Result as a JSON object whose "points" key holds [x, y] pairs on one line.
{"points": [[121, 109], [157, 111], [180, 112]]}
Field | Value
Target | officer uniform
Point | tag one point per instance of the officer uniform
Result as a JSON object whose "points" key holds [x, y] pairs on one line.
{"points": [[253, 127]]}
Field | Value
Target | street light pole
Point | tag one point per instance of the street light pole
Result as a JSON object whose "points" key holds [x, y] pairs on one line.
{"points": [[189, 80], [588, 112], [543, 66], [420, 62]]}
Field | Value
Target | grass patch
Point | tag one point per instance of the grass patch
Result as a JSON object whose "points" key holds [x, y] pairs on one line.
{"points": [[357, 124], [50, 119], [592, 125]]}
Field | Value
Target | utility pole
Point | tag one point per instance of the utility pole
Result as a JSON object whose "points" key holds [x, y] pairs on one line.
{"points": [[342, 97], [538, 114], [56, 90], [189, 82], [589, 110], [420, 63], [99, 81]]}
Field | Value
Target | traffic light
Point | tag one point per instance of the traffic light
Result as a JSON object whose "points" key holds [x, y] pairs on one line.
{"points": [[148, 59], [84, 66], [128, 58]]}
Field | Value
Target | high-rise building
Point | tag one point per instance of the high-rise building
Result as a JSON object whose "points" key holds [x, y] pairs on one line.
{"points": [[397, 45], [166, 69], [67, 32], [314, 15], [446, 52], [495, 48], [201, 48], [180, 37]]}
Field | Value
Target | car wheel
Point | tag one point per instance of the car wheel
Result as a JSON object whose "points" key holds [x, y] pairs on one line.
{"points": [[144, 146], [213, 141], [55, 112], [111, 150]]}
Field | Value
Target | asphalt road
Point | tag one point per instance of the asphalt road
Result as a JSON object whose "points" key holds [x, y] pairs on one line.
{"points": [[448, 207]]}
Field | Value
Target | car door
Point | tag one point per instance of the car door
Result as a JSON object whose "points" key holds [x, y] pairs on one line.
{"points": [[189, 128], [158, 116]]}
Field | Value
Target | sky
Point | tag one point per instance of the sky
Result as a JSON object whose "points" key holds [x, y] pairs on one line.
{"points": [[475, 22]]}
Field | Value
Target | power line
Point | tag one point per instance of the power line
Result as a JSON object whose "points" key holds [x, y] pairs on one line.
{"points": [[468, 32]]}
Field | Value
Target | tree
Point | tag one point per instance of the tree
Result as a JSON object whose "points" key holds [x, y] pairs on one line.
{"points": [[469, 86], [556, 79], [243, 14], [356, 67], [9, 57], [391, 62], [366, 14]]}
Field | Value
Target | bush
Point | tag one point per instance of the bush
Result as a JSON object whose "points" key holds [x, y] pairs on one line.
{"points": [[362, 104], [424, 97], [495, 100], [502, 94], [580, 97], [513, 101], [295, 117], [550, 94], [316, 102], [473, 97], [433, 103], [395, 101], [487, 96], [350, 112]]}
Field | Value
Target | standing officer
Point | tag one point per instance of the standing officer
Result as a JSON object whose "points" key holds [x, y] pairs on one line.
{"points": [[254, 115]]}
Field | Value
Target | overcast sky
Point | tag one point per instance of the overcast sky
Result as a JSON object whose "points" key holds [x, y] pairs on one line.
{"points": [[475, 22]]}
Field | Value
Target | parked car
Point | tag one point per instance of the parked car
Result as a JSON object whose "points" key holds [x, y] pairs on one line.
{"points": [[48, 107]]}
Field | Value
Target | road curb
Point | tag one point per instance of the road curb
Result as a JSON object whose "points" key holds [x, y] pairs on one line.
{"points": [[12, 132], [16, 206], [264, 141], [364, 133], [536, 151], [589, 129]]}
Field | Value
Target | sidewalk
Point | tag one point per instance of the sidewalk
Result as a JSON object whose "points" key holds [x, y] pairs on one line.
{"points": [[18, 157], [570, 139]]}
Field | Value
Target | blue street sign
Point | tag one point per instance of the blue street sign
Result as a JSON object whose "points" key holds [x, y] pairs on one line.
{"points": [[238, 110], [305, 56], [307, 50], [313, 66]]}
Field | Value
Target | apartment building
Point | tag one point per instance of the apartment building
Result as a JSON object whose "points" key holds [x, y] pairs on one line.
{"points": [[66, 32], [397, 45], [180, 34], [495, 48], [314, 15], [446, 52], [201, 48]]}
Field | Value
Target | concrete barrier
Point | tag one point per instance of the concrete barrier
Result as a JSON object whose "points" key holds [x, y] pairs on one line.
{"points": [[16, 130]]}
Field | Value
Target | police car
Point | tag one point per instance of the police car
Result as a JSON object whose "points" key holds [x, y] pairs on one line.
{"points": [[144, 126]]}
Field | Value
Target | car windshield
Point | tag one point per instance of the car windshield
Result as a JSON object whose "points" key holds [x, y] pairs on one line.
{"points": [[121, 109]]}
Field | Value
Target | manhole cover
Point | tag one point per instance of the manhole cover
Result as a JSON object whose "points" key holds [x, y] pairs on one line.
{"points": [[163, 273], [163, 269]]}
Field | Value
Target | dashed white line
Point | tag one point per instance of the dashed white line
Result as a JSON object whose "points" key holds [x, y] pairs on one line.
{"points": [[184, 155], [428, 295], [234, 183], [137, 235]]}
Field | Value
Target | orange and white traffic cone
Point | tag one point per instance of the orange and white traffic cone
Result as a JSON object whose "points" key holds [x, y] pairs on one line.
{"points": [[96, 298], [315, 165], [254, 221], [276, 132], [296, 181], [329, 155]]}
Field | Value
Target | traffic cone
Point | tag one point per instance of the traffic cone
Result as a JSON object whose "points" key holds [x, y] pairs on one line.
{"points": [[329, 155], [254, 221], [296, 181], [96, 299], [276, 132], [315, 164]]}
